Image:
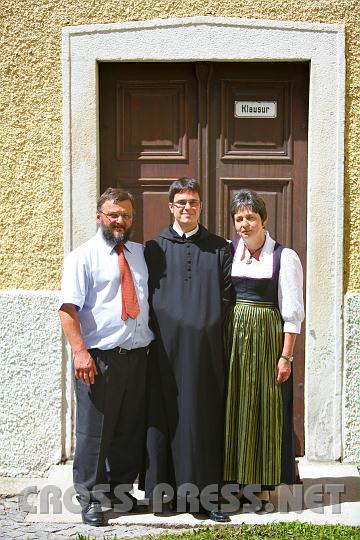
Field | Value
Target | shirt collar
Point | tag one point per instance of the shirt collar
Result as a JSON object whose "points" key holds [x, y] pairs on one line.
{"points": [[107, 247], [180, 232]]}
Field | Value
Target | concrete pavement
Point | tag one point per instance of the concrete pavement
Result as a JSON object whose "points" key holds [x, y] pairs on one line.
{"points": [[46, 507]]}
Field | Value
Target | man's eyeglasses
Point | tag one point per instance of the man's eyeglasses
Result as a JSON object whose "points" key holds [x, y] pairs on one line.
{"points": [[116, 217], [194, 203]]}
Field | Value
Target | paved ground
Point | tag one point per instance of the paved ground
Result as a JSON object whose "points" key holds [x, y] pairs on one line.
{"points": [[13, 525], [329, 494]]}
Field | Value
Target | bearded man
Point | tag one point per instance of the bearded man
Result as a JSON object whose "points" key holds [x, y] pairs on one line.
{"points": [[104, 313]]}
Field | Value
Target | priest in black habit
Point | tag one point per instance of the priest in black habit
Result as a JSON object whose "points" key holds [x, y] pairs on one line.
{"points": [[190, 290]]}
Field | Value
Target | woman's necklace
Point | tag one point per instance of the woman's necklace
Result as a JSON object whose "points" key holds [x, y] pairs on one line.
{"points": [[254, 251]]}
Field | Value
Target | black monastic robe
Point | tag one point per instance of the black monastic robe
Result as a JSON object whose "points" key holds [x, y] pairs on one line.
{"points": [[190, 290]]}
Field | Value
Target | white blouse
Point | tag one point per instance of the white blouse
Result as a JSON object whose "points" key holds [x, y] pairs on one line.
{"points": [[290, 291]]}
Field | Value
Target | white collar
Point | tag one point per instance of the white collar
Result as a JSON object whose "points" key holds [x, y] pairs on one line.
{"points": [[180, 232]]}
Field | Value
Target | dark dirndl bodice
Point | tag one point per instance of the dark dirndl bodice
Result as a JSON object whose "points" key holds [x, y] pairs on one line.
{"points": [[263, 289]]}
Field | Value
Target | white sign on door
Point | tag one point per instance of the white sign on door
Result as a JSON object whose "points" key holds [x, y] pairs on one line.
{"points": [[255, 109]]}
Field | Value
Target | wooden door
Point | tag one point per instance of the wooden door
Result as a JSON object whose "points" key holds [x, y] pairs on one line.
{"points": [[161, 121]]}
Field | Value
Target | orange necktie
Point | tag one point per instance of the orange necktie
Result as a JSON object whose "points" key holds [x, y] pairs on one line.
{"points": [[130, 304]]}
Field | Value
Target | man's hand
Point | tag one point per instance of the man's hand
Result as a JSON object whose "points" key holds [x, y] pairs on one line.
{"points": [[283, 370], [85, 368]]}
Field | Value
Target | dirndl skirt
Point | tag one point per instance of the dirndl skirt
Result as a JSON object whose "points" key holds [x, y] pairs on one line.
{"points": [[254, 409]]}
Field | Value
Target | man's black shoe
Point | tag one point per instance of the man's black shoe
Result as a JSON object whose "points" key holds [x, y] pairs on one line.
{"points": [[92, 514], [215, 515]]}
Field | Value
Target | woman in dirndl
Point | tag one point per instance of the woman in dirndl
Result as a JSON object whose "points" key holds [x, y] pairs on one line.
{"points": [[260, 336]]}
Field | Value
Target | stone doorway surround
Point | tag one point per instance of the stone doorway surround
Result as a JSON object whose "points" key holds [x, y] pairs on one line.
{"points": [[233, 39]]}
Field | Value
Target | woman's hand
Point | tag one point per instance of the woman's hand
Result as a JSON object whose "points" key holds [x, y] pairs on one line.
{"points": [[283, 370]]}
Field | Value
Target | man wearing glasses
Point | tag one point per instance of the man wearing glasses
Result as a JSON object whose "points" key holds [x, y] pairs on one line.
{"points": [[190, 290], [104, 313]]}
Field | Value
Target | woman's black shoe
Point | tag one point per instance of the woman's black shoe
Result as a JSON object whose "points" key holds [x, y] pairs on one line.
{"points": [[92, 514], [265, 506]]}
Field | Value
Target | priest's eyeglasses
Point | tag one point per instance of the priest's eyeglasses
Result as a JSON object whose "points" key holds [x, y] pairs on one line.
{"points": [[194, 203], [116, 217]]}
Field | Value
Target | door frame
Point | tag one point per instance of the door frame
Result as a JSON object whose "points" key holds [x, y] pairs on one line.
{"points": [[232, 40]]}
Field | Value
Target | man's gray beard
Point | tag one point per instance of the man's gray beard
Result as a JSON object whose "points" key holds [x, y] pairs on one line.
{"points": [[113, 240]]}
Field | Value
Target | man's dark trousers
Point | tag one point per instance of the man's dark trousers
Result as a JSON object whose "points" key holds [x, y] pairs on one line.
{"points": [[110, 422]]}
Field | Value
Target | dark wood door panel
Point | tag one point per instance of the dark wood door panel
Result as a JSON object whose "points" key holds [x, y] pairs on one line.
{"points": [[163, 136], [148, 129], [156, 213], [255, 138], [152, 208]]}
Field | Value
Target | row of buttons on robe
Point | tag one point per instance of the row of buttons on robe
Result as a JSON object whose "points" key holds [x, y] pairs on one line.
{"points": [[188, 256]]}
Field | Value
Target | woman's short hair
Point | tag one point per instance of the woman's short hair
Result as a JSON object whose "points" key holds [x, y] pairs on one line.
{"points": [[184, 184], [246, 198], [116, 195]]}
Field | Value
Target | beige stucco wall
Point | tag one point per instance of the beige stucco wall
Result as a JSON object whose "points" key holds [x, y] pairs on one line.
{"points": [[31, 117]]}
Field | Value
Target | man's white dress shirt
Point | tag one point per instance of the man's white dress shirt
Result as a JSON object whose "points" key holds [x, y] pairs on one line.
{"points": [[91, 281]]}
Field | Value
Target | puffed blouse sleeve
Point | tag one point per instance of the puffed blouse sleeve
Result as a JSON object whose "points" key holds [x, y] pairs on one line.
{"points": [[290, 291]]}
